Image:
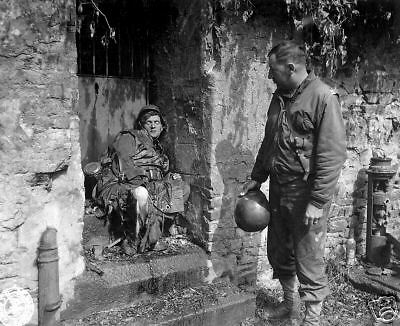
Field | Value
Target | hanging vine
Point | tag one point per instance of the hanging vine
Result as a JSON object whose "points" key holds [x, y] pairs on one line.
{"points": [[216, 9], [329, 17]]}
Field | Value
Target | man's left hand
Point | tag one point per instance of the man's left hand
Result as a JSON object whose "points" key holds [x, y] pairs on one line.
{"points": [[313, 215]]}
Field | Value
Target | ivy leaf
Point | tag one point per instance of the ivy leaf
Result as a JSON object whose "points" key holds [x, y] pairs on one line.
{"points": [[104, 40], [247, 14], [92, 29], [112, 33], [324, 14]]}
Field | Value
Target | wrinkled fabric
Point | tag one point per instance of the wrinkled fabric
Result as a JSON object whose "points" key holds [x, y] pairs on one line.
{"points": [[295, 248], [136, 160], [302, 153], [314, 115], [139, 156]]}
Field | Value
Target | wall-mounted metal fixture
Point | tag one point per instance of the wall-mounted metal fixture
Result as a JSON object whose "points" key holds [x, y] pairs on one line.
{"points": [[377, 245], [49, 300]]}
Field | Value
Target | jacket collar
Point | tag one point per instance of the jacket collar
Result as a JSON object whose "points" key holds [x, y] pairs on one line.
{"points": [[310, 77], [148, 141]]}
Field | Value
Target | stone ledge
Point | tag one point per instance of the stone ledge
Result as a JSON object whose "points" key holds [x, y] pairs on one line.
{"points": [[124, 282], [212, 305], [384, 285]]}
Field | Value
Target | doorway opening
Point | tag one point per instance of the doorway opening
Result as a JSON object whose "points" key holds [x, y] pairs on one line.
{"points": [[116, 79]]}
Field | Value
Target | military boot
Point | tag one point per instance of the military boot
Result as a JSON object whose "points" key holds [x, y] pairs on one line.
{"points": [[312, 314], [289, 307]]}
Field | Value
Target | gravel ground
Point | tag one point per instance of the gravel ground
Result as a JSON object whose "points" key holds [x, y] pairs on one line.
{"points": [[169, 304], [345, 306]]}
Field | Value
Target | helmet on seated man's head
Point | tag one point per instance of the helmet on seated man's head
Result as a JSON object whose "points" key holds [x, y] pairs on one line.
{"points": [[146, 112]]}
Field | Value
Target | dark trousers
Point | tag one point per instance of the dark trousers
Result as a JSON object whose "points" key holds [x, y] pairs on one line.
{"points": [[293, 247]]}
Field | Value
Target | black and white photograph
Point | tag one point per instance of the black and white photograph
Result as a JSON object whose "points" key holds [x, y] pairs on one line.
{"points": [[199, 162]]}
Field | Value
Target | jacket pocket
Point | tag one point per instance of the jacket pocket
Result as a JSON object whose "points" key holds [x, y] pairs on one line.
{"points": [[302, 122]]}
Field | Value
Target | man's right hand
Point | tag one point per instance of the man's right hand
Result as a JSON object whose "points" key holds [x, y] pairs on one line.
{"points": [[250, 185]]}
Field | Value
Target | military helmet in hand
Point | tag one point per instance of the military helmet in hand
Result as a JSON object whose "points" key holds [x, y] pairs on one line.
{"points": [[252, 212]]}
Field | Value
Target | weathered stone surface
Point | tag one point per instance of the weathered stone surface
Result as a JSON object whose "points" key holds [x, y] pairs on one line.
{"points": [[378, 81], [40, 169], [214, 92], [337, 225]]}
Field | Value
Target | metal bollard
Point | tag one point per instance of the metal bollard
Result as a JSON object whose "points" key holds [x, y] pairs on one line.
{"points": [[49, 300]]}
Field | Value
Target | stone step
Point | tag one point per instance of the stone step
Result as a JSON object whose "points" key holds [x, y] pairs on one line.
{"points": [[217, 304], [127, 281]]}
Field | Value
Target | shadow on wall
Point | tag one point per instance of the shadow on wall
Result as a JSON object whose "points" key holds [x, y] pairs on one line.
{"points": [[93, 134], [107, 105], [237, 248]]}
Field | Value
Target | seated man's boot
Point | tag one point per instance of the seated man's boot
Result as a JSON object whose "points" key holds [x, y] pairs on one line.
{"points": [[128, 247], [289, 307], [312, 314]]}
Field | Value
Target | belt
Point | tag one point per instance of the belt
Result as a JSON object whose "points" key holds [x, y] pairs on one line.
{"points": [[154, 174]]}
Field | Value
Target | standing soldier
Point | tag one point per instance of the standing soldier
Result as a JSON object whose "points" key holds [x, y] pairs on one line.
{"points": [[302, 153]]}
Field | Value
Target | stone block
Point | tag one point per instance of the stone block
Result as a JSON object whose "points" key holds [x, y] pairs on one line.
{"points": [[213, 214], [377, 81], [334, 239], [252, 251], [337, 225], [252, 239], [385, 98], [351, 99], [9, 244], [215, 202], [217, 247], [221, 234], [371, 98], [235, 245], [334, 210], [241, 234], [211, 226], [12, 220], [8, 271]]}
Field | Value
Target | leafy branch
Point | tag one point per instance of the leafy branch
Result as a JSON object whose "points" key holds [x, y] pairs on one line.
{"points": [[329, 16]]}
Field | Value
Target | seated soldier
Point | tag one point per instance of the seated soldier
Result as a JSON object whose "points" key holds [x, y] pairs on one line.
{"points": [[136, 189]]}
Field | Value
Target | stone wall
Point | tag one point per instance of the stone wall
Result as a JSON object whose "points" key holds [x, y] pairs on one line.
{"points": [[210, 78], [241, 92], [235, 67], [180, 89], [40, 175], [369, 89]]}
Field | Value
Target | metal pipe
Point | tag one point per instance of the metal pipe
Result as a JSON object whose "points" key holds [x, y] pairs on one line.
{"points": [[49, 300]]}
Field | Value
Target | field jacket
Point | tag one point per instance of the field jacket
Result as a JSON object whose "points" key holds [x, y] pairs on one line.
{"points": [[139, 156], [304, 139]]}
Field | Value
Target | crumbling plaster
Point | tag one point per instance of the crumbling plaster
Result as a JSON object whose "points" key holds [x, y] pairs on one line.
{"points": [[40, 176]]}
